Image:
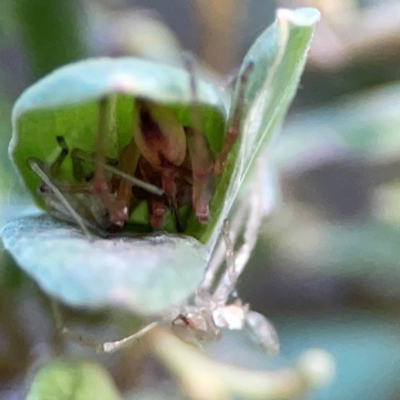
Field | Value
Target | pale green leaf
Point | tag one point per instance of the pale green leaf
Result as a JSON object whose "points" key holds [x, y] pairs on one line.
{"points": [[72, 380], [278, 56], [146, 274], [65, 103], [146, 277]]}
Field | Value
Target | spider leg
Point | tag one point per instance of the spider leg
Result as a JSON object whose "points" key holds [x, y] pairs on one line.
{"points": [[38, 168], [219, 254], [106, 347], [173, 206], [254, 220], [234, 127], [202, 165], [157, 211], [116, 205], [100, 186], [132, 180], [118, 213], [237, 262], [159, 207], [128, 161], [56, 165], [105, 122], [201, 157]]}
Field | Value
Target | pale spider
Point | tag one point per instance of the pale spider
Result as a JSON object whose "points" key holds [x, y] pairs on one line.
{"points": [[210, 310], [168, 166]]}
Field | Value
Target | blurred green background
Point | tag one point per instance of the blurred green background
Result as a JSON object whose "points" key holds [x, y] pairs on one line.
{"points": [[326, 270]]}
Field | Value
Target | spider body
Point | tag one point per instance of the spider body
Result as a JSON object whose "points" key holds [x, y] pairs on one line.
{"points": [[151, 165]]}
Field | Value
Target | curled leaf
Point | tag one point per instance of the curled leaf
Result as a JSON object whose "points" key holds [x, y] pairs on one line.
{"points": [[146, 274]]}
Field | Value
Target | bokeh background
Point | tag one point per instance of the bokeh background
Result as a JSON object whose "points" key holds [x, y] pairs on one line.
{"points": [[326, 269]]}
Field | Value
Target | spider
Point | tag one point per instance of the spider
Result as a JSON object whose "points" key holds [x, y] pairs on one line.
{"points": [[210, 310], [168, 166]]}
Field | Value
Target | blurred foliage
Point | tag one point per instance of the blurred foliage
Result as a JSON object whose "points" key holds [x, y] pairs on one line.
{"points": [[72, 380], [52, 32], [327, 254]]}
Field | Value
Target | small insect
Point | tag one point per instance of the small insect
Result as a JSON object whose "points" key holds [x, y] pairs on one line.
{"points": [[167, 164]]}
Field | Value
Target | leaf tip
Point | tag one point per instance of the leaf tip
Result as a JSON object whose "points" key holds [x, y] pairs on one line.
{"points": [[301, 17]]}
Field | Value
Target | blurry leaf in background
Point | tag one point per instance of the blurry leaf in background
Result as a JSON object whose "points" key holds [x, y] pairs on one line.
{"points": [[53, 32], [351, 31], [359, 133], [223, 19], [139, 33], [362, 127], [204, 378], [356, 47], [72, 380], [366, 349], [369, 251]]}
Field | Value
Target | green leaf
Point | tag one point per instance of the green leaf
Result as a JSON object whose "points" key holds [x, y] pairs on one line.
{"points": [[367, 250], [146, 274], [49, 40], [153, 394], [72, 380], [360, 127], [278, 55], [361, 342], [65, 103]]}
